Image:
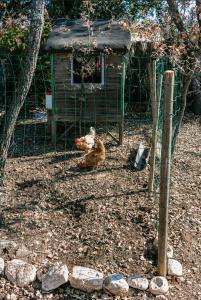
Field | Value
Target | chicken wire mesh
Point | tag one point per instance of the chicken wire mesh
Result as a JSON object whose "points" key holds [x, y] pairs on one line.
{"points": [[42, 172], [125, 102]]}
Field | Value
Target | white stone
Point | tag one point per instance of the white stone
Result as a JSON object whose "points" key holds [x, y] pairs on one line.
{"points": [[169, 251], [117, 285], [56, 275], [2, 265], [155, 242], [138, 282], [174, 267], [158, 285], [86, 279], [20, 272]]}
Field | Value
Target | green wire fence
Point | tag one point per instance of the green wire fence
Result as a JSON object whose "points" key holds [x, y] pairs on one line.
{"points": [[120, 102]]}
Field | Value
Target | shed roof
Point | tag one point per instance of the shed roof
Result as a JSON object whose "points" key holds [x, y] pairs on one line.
{"points": [[101, 34]]}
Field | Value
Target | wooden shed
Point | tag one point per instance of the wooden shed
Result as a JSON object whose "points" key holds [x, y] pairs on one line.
{"points": [[88, 63]]}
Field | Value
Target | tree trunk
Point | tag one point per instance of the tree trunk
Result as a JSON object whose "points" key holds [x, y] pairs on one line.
{"points": [[198, 11], [24, 83]]}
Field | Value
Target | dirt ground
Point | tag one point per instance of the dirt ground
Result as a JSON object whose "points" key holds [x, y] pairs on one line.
{"points": [[104, 218]]}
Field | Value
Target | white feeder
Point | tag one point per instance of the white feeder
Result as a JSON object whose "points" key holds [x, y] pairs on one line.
{"points": [[48, 100]]}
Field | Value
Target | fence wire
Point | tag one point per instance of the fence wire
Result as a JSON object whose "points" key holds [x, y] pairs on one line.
{"points": [[125, 97], [100, 207]]}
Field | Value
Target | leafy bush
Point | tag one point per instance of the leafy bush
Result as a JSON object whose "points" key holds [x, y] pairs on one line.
{"points": [[14, 38]]}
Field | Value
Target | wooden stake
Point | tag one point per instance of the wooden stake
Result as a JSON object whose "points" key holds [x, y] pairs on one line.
{"points": [[54, 130], [49, 120], [121, 132], [154, 104], [165, 173]]}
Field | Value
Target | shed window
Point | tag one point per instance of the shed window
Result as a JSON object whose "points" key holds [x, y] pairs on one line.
{"points": [[87, 69]]}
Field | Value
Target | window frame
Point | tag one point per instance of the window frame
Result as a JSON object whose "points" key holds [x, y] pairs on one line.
{"points": [[89, 83]]}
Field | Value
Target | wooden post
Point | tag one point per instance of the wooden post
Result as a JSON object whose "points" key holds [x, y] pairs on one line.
{"points": [[49, 120], [121, 132], [54, 130], [53, 111], [154, 104], [165, 173], [121, 123]]}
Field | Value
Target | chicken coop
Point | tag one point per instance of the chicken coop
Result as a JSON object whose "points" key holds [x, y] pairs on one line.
{"points": [[88, 69]]}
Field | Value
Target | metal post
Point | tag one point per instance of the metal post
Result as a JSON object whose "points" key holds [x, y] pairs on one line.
{"points": [[165, 173]]}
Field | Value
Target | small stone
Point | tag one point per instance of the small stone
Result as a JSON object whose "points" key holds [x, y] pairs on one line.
{"points": [[86, 279], [155, 242], [23, 253], [2, 265], [8, 246], [158, 285], [38, 294], [194, 269], [117, 285], [180, 279], [138, 282], [161, 297], [174, 267], [20, 272], [39, 274], [13, 297], [56, 276], [169, 251]]}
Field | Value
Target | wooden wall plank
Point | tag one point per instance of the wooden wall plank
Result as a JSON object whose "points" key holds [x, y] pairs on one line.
{"points": [[100, 103]]}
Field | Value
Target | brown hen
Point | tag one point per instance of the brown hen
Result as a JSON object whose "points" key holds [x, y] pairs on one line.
{"points": [[95, 157]]}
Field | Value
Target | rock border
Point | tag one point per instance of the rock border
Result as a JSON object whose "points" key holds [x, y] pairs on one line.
{"points": [[83, 278]]}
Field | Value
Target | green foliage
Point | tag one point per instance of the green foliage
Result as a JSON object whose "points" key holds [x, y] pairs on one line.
{"points": [[15, 7], [14, 38], [46, 30], [64, 9], [95, 9], [42, 73], [105, 9]]}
